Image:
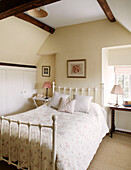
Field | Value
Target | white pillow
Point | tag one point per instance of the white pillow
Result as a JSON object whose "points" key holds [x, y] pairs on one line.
{"points": [[82, 103], [56, 99], [66, 105]]}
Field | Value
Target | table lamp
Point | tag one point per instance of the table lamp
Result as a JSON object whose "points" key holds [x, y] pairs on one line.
{"points": [[46, 85], [117, 89]]}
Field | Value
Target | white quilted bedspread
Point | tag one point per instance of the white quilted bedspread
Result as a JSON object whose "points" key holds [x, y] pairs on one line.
{"points": [[78, 137]]}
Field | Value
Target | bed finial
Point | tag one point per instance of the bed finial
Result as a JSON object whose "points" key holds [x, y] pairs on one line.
{"points": [[53, 87], [54, 118]]}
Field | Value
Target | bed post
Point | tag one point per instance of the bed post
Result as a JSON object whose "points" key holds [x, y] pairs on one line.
{"points": [[70, 92], [64, 90], [9, 161], [95, 94], [1, 156], [102, 94], [89, 91], [82, 91], [53, 87], [54, 118]]}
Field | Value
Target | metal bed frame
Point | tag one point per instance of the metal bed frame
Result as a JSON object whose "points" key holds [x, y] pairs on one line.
{"points": [[40, 126]]}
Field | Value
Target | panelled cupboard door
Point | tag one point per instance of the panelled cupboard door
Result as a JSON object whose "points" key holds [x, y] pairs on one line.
{"points": [[2, 92], [29, 86], [17, 86], [15, 95]]}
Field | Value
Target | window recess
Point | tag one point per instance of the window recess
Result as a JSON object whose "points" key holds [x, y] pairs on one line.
{"points": [[123, 77]]}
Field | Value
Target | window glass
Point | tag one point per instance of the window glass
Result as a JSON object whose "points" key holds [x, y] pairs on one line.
{"points": [[124, 80]]}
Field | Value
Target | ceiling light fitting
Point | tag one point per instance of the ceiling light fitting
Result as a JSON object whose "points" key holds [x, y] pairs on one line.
{"points": [[38, 13]]}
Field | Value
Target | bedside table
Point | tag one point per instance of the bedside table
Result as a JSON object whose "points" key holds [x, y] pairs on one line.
{"points": [[113, 108], [40, 99]]}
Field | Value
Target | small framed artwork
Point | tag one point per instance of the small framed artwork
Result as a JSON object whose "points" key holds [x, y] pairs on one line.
{"points": [[76, 68], [46, 71]]}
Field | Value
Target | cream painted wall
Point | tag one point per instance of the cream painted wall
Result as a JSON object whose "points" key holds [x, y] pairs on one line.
{"points": [[47, 60], [20, 41], [85, 41], [120, 56]]}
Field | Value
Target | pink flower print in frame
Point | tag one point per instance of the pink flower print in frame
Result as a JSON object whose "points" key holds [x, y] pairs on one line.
{"points": [[76, 68]]}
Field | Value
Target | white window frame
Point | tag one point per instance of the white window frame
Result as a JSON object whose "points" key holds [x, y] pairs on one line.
{"points": [[121, 84]]}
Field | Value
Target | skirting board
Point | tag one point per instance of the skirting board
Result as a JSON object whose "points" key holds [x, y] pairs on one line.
{"points": [[123, 131]]}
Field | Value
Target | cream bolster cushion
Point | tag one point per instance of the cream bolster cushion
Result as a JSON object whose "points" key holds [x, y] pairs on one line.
{"points": [[82, 103], [66, 105], [56, 99]]}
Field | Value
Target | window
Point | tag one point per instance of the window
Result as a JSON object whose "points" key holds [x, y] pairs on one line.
{"points": [[123, 77]]}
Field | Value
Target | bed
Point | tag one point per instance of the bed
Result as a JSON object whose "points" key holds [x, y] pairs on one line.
{"points": [[30, 140]]}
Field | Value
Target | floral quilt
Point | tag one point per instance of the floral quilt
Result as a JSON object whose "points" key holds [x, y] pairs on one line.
{"points": [[78, 137]]}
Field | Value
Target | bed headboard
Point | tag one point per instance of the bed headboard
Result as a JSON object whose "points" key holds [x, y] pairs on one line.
{"points": [[96, 92]]}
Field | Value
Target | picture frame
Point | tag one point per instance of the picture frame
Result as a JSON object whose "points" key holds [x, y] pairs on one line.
{"points": [[45, 71], [76, 68]]}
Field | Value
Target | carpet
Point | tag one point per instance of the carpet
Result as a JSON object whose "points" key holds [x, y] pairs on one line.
{"points": [[113, 153]]}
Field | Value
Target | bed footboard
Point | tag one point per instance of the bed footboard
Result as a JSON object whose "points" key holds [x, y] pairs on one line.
{"points": [[40, 127]]}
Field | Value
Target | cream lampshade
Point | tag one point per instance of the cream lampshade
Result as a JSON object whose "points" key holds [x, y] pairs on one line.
{"points": [[117, 89], [46, 85]]}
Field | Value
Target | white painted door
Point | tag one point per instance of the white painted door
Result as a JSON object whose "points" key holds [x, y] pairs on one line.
{"points": [[15, 94], [2, 92], [16, 90], [29, 86]]}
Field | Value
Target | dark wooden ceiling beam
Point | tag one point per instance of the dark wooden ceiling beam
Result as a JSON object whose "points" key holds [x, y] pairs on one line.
{"points": [[106, 10], [32, 20], [13, 7]]}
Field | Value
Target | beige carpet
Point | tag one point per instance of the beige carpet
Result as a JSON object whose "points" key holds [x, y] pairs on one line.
{"points": [[113, 153]]}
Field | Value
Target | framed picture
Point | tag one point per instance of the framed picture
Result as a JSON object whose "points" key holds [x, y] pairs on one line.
{"points": [[46, 71], [76, 68]]}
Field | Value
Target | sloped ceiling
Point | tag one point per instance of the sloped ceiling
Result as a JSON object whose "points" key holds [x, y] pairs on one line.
{"points": [[70, 12], [122, 12], [20, 41]]}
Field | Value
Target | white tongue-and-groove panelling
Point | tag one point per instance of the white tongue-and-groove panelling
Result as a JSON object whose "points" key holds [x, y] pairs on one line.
{"points": [[17, 86]]}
